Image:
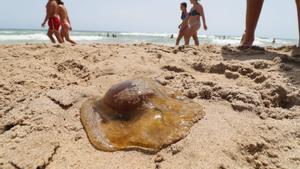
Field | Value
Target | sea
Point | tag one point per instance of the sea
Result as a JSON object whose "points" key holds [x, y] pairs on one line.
{"points": [[16, 36]]}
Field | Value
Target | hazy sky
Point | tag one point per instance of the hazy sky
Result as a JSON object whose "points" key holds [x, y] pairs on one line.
{"points": [[223, 16]]}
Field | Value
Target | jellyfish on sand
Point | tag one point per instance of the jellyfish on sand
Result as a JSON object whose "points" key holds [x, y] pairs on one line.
{"points": [[138, 114]]}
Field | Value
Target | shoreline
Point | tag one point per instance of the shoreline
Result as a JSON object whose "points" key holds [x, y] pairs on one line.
{"points": [[251, 99], [66, 44], [34, 36], [112, 31], [139, 43]]}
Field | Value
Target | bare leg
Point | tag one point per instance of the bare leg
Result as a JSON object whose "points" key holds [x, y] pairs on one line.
{"points": [[296, 51], [67, 36], [180, 35], [187, 38], [58, 37], [298, 11], [190, 32], [196, 40], [50, 35], [62, 35], [252, 16]]}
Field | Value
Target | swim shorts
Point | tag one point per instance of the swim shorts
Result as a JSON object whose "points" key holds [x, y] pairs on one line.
{"points": [[54, 23]]}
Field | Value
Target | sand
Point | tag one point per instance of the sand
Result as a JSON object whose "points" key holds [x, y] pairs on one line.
{"points": [[251, 99]]}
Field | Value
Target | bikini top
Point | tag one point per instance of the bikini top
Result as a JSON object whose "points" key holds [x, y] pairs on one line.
{"points": [[183, 16], [194, 12]]}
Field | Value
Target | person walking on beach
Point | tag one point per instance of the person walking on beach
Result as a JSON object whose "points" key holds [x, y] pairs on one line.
{"points": [[53, 21], [254, 8], [193, 20], [65, 22], [184, 25]]}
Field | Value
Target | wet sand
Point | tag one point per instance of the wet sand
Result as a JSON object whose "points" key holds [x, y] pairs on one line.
{"points": [[251, 99]]}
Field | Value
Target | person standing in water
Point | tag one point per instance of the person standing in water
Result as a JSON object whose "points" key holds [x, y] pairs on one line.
{"points": [[183, 26], [274, 41], [65, 22], [193, 19], [53, 21]]}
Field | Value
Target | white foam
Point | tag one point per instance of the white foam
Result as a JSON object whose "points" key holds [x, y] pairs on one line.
{"points": [[38, 37], [233, 42], [87, 38], [43, 37], [6, 32], [259, 43], [146, 34]]}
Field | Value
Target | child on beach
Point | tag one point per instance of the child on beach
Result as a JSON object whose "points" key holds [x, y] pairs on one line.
{"points": [[65, 22], [183, 26]]}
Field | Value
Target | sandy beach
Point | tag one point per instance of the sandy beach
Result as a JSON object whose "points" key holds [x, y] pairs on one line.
{"points": [[251, 99]]}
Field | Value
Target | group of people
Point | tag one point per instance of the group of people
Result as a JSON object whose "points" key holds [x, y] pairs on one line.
{"points": [[113, 35], [191, 22], [57, 16]]}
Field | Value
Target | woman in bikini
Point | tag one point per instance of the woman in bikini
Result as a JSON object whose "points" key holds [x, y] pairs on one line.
{"points": [[182, 26], [65, 22], [194, 22]]}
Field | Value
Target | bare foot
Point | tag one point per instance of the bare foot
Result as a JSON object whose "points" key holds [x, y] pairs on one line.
{"points": [[246, 42], [243, 47]]}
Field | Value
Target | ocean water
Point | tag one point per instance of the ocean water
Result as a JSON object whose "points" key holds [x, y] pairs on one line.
{"points": [[13, 36]]}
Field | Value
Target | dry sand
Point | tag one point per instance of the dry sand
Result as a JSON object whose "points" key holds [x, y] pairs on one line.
{"points": [[251, 99]]}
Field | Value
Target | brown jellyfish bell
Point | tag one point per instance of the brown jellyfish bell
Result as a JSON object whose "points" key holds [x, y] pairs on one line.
{"points": [[138, 114]]}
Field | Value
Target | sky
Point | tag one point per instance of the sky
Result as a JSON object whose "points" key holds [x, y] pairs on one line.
{"points": [[224, 17]]}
